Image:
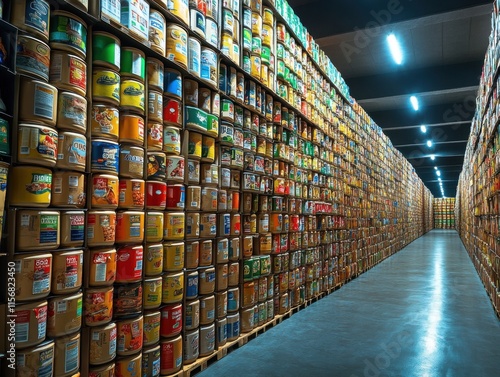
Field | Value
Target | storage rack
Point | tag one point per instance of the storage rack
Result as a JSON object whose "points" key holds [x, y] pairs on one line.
{"points": [[478, 187], [350, 198]]}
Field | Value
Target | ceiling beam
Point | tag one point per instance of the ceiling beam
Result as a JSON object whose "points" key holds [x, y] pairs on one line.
{"points": [[379, 13], [427, 125], [423, 80]]}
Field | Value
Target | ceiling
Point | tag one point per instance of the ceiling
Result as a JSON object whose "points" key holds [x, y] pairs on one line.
{"points": [[444, 43]]}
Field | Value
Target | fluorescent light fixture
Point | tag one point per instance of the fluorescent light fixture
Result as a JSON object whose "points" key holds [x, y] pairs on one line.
{"points": [[439, 179], [433, 157], [435, 168], [395, 49], [423, 129], [438, 173], [414, 102], [429, 143]]}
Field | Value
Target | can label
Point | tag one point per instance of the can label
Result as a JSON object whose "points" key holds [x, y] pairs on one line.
{"points": [[77, 227], [40, 184], [37, 15], [68, 31], [105, 156], [73, 108], [43, 140]]}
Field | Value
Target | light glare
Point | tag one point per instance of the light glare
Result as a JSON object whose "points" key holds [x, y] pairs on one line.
{"points": [[395, 49]]}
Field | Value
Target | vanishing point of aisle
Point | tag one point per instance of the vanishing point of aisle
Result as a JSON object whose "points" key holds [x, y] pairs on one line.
{"points": [[421, 313]]}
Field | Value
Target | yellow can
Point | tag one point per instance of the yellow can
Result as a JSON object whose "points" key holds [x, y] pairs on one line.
{"points": [[267, 35], [152, 326], [180, 9], [173, 256], [131, 129], [177, 41], [268, 16], [154, 226], [151, 294], [132, 96], [256, 23], [255, 64], [173, 288], [106, 86], [153, 261], [33, 186], [195, 145], [208, 149], [174, 226], [104, 122]]}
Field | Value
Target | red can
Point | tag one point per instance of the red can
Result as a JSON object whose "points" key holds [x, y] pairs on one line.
{"points": [[172, 112], [129, 264], [276, 243], [171, 320], [294, 223], [176, 197], [156, 195]]}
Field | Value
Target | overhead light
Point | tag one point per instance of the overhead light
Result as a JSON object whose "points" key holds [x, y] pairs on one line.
{"points": [[435, 168], [395, 49], [439, 179], [433, 157], [414, 102], [429, 143], [423, 128], [438, 173]]}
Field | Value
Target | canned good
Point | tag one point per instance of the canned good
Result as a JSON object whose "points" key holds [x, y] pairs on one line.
{"points": [[157, 31], [129, 264], [172, 112], [38, 145], [152, 294], [105, 50], [173, 288], [129, 335], [68, 72], [101, 227], [106, 86], [68, 32], [132, 96], [133, 63], [156, 166], [98, 306], [129, 227], [127, 300], [176, 46], [104, 191], [33, 57]]}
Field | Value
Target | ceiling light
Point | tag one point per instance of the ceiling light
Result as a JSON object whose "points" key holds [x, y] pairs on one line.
{"points": [[439, 179], [435, 168], [433, 157], [395, 48], [414, 102], [429, 143], [438, 173], [423, 129]]}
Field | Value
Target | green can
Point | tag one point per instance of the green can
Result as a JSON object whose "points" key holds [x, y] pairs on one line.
{"points": [[133, 63], [266, 55], [4, 137], [256, 45], [68, 32], [196, 118], [248, 270], [213, 124], [106, 50], [247, 39], [256, 267], [281, 70], [265, 265], [247, 64]]}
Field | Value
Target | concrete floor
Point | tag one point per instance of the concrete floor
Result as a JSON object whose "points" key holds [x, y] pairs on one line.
{"points": [[421, 313]]}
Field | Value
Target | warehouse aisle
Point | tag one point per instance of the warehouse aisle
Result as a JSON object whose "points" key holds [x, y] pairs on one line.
{"points": [[421, 313]]}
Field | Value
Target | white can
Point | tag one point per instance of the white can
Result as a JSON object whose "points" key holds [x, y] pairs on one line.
{"points": [[194, 62]]}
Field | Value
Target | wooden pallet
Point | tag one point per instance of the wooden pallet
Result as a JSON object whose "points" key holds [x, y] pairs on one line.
{"points": [[200, 364]]}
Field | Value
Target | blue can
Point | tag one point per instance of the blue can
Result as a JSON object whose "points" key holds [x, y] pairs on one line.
{"points": [[226, 224], [223, 78], [105, 156], [192, 285], [173, 83]]}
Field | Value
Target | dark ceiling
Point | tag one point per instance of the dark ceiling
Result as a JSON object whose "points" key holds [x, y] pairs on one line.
{"points": [[444, 43]]}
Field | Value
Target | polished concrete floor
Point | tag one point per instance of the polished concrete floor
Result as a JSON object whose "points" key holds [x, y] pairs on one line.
{"points": [[421, 313]]}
